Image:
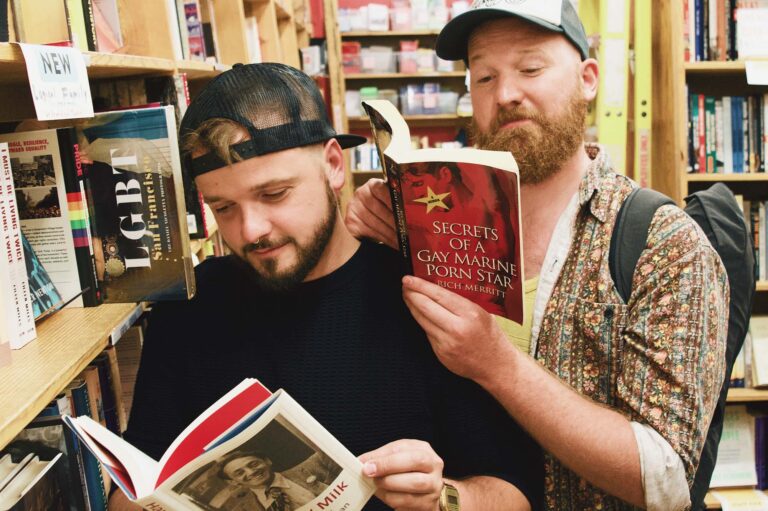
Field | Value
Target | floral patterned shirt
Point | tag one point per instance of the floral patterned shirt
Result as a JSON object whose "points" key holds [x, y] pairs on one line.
{"points": [[656, 359]]}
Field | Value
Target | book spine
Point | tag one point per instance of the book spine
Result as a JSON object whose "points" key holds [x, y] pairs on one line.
{"points": [[398, 207], [733, 54], [701, 132], [76, 471], [76, 23], [761, 448], [4, 22], [699, 27], [727, 127], [97, 497], [710, 134], [78, 217], [719, 137], [90, 26], [108, 401], [20, 318]]}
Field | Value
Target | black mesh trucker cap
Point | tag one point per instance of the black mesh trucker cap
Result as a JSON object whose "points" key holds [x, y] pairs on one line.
{"points": [[555, 15], [280, 106]]}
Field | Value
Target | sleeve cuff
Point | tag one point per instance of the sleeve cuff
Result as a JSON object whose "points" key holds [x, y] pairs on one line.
{"points": [[664, 482]]}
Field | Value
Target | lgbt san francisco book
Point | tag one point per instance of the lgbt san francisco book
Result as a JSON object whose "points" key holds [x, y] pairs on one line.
{"points": [[457, 214], [133, 183], [252, 449]]}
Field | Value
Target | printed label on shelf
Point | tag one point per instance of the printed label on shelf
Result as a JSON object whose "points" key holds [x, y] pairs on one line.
{"points": [[59, 82], [757, 72]]}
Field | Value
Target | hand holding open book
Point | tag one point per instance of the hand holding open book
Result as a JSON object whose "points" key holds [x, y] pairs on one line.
{"points": [[250, 450]]}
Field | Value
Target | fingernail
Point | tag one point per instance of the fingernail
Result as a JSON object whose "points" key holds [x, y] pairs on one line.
{"points": [[369, 469], [407, 280]]}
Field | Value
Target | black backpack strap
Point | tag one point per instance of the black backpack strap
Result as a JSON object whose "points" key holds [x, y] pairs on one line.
{"points": [[630, 233]]}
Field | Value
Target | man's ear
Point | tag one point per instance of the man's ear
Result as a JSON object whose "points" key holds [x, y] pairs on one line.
{"points": [[590, 77], [334, 164]]}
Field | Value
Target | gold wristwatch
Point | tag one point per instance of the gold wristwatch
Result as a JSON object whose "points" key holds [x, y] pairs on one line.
{"points": [[449, 498]]}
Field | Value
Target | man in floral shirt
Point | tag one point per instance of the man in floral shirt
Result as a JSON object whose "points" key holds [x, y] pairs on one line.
{"points": [[619, 395]]}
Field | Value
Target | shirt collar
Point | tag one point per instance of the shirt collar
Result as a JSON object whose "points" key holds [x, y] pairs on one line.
{"points": [[592, 189], [278, 482]]}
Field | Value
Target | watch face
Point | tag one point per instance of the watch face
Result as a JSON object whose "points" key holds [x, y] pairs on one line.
{"points": [[449, 498]]}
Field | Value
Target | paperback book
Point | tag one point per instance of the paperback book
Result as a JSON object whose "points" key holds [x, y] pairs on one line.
{"points": [[51, 206], [132, 169], [457, 214], [46, 299], [17, 324], [233, 456]]}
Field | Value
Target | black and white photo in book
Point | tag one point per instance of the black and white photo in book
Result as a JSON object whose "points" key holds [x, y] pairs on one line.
{"points": [[279, 469]]}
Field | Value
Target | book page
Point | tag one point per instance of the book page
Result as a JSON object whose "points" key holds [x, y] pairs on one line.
{"points": [[735, 464], [285, 454], [220, 417]]}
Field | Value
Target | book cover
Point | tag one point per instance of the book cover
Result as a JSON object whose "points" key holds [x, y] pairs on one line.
{"points": [[196, 43], [106, 19], [735, 464], [76, 23], [17, 322], [271, 434], [34, 488], [48, 437], [46, 299], [50, 201], [457, 214], [135, 197]]}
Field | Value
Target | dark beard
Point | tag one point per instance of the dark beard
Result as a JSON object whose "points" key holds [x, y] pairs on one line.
{"points": [[539, 148], [307, 256]]}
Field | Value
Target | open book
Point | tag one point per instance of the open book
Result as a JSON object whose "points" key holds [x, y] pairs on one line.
{"points": [[457, 214], [246, 451]]}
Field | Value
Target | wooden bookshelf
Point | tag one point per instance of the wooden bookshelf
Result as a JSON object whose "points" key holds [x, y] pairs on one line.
{"points": [[727, 178], [109, 65], [710, 67], [761, 285], [737, 395], [66, 343], [717, 67], [388, 76], [100, 65], [197, 70], [395, 34]]}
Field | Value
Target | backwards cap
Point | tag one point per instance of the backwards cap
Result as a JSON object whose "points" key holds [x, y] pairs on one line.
{"points": [[280, 106]]}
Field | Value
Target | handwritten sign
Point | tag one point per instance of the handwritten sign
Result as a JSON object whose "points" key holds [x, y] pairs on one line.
{"points": [[59, 82]]}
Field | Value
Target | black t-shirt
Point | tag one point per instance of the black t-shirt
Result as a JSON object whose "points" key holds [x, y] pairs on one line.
{"points": [[345, 347]]}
